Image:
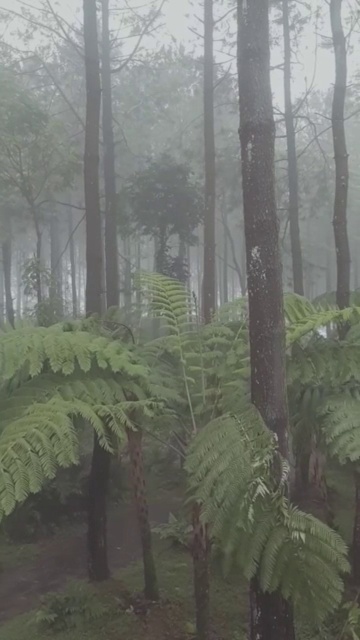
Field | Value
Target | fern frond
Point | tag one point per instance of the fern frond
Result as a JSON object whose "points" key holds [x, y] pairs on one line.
{"points": [[233, 473]]}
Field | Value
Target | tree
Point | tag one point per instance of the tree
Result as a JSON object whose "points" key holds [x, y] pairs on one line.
{"points": [[111, 245], [165, 201], [100, 466], [271, 616], [341, 162], [209, 275], [296, 253]]}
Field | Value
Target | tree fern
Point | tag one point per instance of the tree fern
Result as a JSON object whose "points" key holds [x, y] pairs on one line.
{"points": [[234, 473], [50, 378]]}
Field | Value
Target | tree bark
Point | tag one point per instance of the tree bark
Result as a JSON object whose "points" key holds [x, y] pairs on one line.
{"points": [[56, 266], [209, 279], [111, 246], [7, 263], [271, 616], [296, 253], [356, 531], [91, 161], [138, 478], [99, 475], [341, 163], [72, 264]]}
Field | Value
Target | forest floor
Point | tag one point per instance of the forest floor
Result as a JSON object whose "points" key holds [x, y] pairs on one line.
{"points": [[30, 571]]}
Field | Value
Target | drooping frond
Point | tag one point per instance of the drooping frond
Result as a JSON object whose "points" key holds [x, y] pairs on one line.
{"points": [[339, 418], [31, 448], [239, 478], [61, 351], [303, 318]]}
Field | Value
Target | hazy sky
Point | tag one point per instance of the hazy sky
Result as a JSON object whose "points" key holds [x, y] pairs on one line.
{"points": [[177, 24]]}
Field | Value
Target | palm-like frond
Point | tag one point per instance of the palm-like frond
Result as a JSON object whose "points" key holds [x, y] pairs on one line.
{"points": [[239, 479]]}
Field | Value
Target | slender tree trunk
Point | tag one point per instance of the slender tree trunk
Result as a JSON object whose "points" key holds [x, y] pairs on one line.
{"points": [[200, 540], [111, 247], [72, 264], [7, 264], [209, 278], [296, 253], [271, 616], [225, 270], [99, 474], [38, 254], [56, 265], [356, 531], [138, 478], [127, 274], [341, 163], [138, 268], [19, 288], [2, 295]]}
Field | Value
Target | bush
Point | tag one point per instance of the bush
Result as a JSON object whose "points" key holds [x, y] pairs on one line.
{"points": [[177, 531], [63, 611]]}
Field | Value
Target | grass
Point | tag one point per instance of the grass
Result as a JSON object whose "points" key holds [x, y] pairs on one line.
{"points": [[172, 619], [13, 555]]}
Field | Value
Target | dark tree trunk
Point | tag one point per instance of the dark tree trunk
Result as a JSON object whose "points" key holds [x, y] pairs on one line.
{"points": [[72, 264], [127, 274], [271, 616], [341, 163], [200, 552], [209, 279], [356, 531], [97, 549], [97, 526], [2, 294], [7, 260], [91, 161], [38, 232], [296, 254], [200, 539], [56, 265], [226, 257], [111, 247], [138, 479]]}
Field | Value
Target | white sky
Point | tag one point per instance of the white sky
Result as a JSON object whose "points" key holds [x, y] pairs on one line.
{"points": [[179, 16]]}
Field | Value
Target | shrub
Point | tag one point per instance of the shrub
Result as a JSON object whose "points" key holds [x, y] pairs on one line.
{"points": [[63, 611]]}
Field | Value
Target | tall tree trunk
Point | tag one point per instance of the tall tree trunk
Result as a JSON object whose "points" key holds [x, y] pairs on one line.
{"points": [[38, 232], [209, 278], [99, 474], [296, 254], [127, 274], [225, 268], [356, 531], [200, 542], [271, 616], [2, 294], [111, 247], [72, 263], [138, 478], [341, 163], [7, 264], [56, 265]]}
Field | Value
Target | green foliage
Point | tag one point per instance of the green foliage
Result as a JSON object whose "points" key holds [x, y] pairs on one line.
{"points": [[52, 378], [65, 611], [241, 485], [164, 201], [177, 531]]}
